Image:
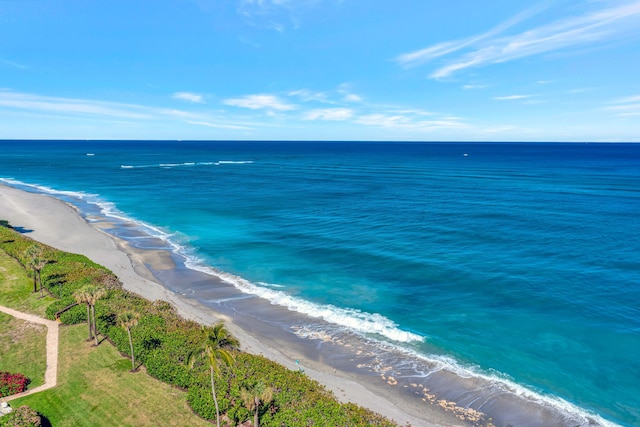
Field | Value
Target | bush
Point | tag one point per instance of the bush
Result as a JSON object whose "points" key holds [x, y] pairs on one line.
{"points": [[24, 416], [12, 383], [163, 340]]}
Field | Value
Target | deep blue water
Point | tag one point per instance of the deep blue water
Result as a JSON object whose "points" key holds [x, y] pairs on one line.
{"points": [[519, 261]]}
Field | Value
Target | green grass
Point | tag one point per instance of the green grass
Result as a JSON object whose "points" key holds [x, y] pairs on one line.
{"points": [[16, 288], [95, 388], [22, 346]]}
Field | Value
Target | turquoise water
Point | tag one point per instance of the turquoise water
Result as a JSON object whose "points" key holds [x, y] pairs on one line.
{"points": [[513, 261]]}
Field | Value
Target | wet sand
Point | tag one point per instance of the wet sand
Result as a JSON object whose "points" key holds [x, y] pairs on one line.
{"points": [[338, 361]]}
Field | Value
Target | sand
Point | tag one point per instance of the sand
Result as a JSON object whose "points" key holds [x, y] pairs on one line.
{"points": [[57, 224]]}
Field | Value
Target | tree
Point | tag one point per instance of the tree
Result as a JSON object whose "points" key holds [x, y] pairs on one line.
{"points": [[255, 397], [35, 261], [94, 293], [216, 345], [81, 297], [127, 320]]}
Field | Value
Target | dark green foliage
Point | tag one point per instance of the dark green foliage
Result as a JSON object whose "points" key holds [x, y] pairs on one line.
{"points": [[163, 341], [24, 416]]}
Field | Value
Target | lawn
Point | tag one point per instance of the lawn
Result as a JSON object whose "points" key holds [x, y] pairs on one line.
{"points": [[95, 388], [22, 346], [16, 288]]}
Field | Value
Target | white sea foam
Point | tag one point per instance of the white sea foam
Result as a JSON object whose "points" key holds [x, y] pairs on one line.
{"points": [[187, 164], [355, 320], [231, 162], [498, 383]]}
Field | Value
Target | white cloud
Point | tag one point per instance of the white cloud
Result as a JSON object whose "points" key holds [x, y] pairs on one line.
{"points": [[408, 123], [107, 112], [49, 104], [309, 95], [627, 100], [625, 107], [189, 96], [511, 97], [490, 48], [218, 125], [469, 87], [329, 114], [352, 97], [13, 64], [418, 57], [256, 102]]}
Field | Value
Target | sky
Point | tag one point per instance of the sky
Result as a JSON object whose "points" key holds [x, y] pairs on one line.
{"points": [[405, 70]]}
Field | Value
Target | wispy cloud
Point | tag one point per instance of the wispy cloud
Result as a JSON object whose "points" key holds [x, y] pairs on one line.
{"points": [[403, 122], [488, 48], [307, 95], [421, 56], [219, 125], [329, 114], [352, 97], [625, 107], [511, 97], [13, 64], [50, 104], [257, 102], [74, 108], [470, 87], [189, 96], [277, 15]]}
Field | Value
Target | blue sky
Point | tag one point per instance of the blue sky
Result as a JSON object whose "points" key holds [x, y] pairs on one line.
{"points": [[419, 70]]}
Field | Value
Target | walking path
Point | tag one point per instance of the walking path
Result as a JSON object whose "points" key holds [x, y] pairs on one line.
{"points": [[51, 374]]}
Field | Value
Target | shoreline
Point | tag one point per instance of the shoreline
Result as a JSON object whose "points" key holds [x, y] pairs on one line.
{"points": [[63, 227]]}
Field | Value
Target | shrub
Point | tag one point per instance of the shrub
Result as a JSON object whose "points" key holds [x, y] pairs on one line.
{"points": [[24, 416], [12, 383], [163, 340]]}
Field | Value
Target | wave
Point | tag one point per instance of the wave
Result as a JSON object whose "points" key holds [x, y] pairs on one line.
{"points": [[187, 164], [353, 319], [368, 325]]}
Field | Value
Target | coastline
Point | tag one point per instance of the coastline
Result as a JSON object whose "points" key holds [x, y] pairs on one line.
{"points": [[58, 224]]}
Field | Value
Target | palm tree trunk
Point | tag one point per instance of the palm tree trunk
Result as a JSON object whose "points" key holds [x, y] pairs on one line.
{"points": [[35, 283], [133, 359], [89, 323], [255, 416], [215, 399], [40, 280], [95, 329]]}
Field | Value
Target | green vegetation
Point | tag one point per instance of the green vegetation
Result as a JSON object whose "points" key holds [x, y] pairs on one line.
{"points": [[22, 346], [21, 417], [16, 288], [96, 388]]}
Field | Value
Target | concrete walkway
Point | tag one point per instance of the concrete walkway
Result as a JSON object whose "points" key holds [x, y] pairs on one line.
{"points": [[51, 374]]}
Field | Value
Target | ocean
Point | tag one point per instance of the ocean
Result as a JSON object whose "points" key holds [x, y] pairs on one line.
{"points": [[515, 266]]}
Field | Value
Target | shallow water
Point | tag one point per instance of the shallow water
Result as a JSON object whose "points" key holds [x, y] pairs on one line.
{"points": [[516, 264]]}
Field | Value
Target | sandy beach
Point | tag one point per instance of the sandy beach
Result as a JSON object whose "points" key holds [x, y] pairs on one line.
{"points": [[57, 224]]}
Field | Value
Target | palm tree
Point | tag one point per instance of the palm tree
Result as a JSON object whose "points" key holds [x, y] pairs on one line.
{"points": [[94, 293], [35, 261], [128, 319], [39, 264], [81, 297], [254, 398], [217, 343]]}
